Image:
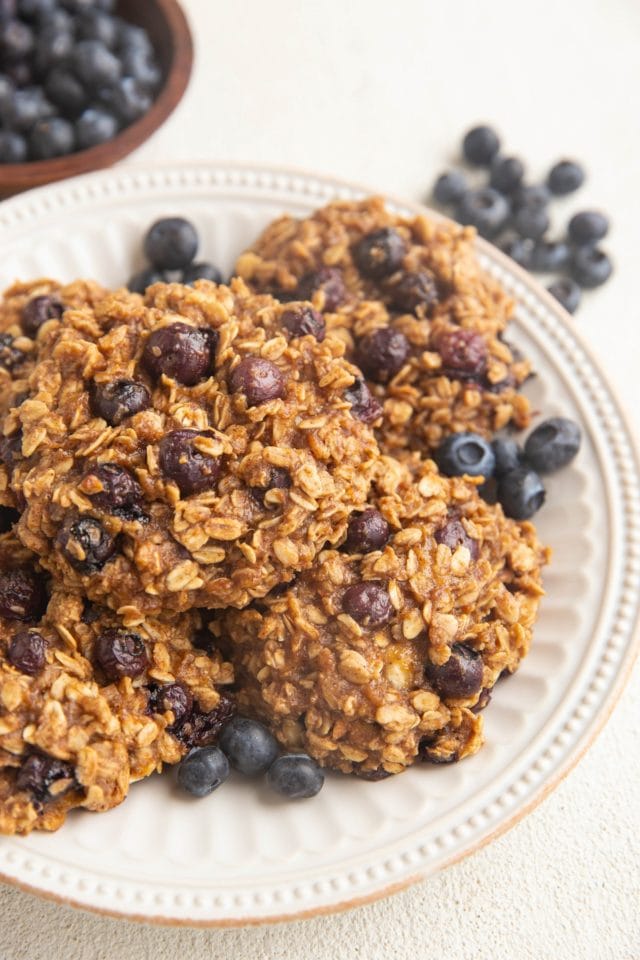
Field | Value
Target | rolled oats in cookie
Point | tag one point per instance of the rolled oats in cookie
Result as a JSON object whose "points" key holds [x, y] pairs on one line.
{"points": [[90, 702], [386, 650], [415, 310], [181, 450]]}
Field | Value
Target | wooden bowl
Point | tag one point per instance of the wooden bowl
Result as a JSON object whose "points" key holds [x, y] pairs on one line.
{"points": [[169, 32]]}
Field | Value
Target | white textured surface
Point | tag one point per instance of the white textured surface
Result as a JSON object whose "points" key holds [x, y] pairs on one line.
{"points": [[565, 880]]}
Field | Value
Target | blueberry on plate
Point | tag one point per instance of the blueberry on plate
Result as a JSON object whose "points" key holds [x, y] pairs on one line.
{"points": [[550, 256], [480, 145], [589, 226], [249, 746], [567, 292], [565, 177], [521, 493], [508, 454], [203, 771], [506, 174], [553, 444], [296, 776], [201, 271], [485, 209], [449, 187], [590, 267], [171, 243], [519, 249], [466, 453], [530, 195], [531, 222], [50, 138]]}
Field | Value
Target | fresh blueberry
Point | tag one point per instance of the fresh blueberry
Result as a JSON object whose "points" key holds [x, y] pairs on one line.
{"points": [[249, 746], [8, 9], [485, 209], [296, 776], [506, 174], [131, 37], [567, 292], [51, 49], [480, 146], [35, 9], [565, 177], [590, 267], [97, 25], [26, 108], [203, 771], [521, 493], [51, 138], [531, 222], [126, 99], [508, 454], [201, 271], [94, 64], [468, 453], [7, 90], [16, 41], [140, 65], [66, 91], [145, 278], [449, 187], [530, 195], [55, 20], [519, 249], [550, 256], [553, 444], [171, 243], [13, 147], [587, 227], [95, 126]]}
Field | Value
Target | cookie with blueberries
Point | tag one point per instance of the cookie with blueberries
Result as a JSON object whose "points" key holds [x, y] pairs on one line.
{"points": [[180, 450], [89, 702], [386, 651], [414, 309]]}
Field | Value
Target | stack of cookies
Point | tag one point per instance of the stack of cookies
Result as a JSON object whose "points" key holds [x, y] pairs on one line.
{"points": [[221, 497]]}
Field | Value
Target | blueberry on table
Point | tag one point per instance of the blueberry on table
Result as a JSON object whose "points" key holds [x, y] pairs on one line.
{"points": [[449, 187], [531, 222], [460, 677], [171, 243], [13, 147], [508, 454], [519, 249], [203, 771], [95, 126], [521, 493], [485, 209], [295, 776], [506, 174], [590, 267], [466, 453], [94, 64], [553, 444], [530, 195], [249, 746], [139, 282], [51, 138], [587, 227], [201, 271], [565, 177], [550, 256], [480, 145], [567, 292]]}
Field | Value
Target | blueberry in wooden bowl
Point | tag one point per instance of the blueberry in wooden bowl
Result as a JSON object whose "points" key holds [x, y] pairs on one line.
{"points": [[85, 82]]}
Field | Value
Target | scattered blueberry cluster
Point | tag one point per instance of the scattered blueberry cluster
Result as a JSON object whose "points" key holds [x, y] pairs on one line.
{"points": [[170, 246], [248, 746], [511, 472], [73, 75], [515, 215]]}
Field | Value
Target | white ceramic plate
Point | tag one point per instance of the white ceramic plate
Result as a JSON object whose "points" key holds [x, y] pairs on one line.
{"points": [[241, 856]]}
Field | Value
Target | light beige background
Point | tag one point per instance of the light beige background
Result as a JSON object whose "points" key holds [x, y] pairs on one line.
{"points": [[379, 92]]}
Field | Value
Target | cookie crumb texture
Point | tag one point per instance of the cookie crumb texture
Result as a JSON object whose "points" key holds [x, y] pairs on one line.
{"points": [[372, 661], [408, 299], [89, 701], [179, 451]]}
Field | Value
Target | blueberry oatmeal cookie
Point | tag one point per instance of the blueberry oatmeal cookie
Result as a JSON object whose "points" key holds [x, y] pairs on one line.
{"points": [[414, 309], [90, 703], [387, 649], [172, 453]]}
